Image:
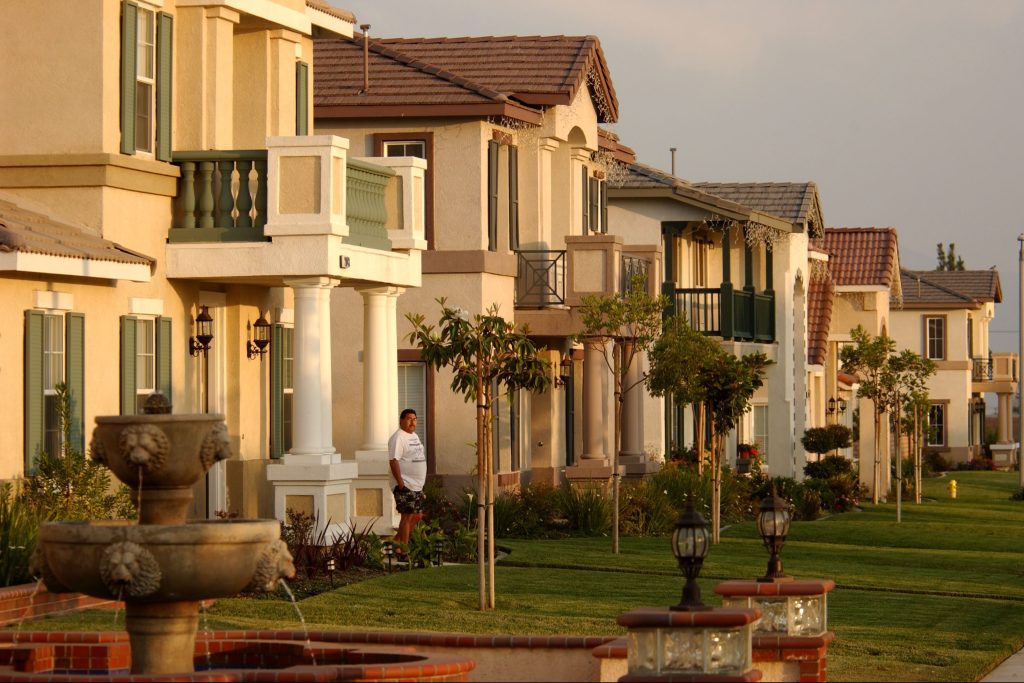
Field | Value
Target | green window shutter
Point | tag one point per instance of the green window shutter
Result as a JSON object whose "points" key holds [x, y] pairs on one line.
{"points": [[276, 390], [301, 98], [129, 46], [604, 206], [74, 376], [128, 365], [513, 197], [585, 202], [163, 357], [595, 204], [164, 81], [33, 389], [492, 196]]}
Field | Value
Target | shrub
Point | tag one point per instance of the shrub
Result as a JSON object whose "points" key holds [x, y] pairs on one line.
{"points": [[976, 464], [829, 466], [19, 531], [821, 440], [423, 540], [806, 500], [356, 548], [935, 462], [645, 509], [586, 509], [1017, 495], [309, 549], [461, 545], [70, 486]]}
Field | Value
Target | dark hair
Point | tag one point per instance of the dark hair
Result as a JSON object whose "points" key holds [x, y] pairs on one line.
{"points": [[407, 411]]}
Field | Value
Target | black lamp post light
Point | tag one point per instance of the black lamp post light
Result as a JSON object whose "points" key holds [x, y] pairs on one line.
{"points": [[203, 326], [690, 542], [773, 518], [257, 338]]}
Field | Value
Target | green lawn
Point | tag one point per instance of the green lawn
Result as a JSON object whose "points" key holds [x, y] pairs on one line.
{"points": [[939, 597]]}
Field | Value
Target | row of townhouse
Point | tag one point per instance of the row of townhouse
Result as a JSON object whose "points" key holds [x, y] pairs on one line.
{"points": [[259, 159]]}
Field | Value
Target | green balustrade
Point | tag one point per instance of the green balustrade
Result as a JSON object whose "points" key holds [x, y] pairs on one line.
{"points": [[365, 209], [222, 196]]}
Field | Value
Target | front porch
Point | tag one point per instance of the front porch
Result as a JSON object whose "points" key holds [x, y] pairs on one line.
{"points": [[303, 215]]}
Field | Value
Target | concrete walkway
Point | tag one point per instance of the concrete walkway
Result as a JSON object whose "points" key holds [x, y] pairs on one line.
{"points": [[1012, 669]]}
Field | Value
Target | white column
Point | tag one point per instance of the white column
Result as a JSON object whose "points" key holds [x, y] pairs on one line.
{"points": [[632, 409], [392, 364], [312, 433], [593, 400], [377, 415]]}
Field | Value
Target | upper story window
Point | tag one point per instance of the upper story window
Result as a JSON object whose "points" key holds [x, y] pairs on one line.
{"points": [[594, 202], [502, 188], [935, 338], [146, 42], [145, 360], [53, 374], [413, 144], [970, 337], [699, 262], [936, 425]]}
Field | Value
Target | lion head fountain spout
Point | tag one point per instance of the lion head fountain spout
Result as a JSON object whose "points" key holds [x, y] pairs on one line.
{"points": [[159, 567]]}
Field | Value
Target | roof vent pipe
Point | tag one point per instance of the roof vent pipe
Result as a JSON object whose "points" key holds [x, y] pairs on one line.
{"points": [[672, 151], [366, 56]]}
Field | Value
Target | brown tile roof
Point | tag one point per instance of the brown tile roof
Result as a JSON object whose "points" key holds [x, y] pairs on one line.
{"points": [[609, 141], [31, 232], [819, 318], [794, 202], [861, 256], [532, 71], [331, 11], [956, 288]]}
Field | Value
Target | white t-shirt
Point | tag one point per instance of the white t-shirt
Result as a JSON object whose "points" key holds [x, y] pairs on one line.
{"points": [[407, 449]]}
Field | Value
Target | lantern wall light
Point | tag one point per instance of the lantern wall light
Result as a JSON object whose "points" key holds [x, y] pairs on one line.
{"points": [[200, 342], [257, 337]]}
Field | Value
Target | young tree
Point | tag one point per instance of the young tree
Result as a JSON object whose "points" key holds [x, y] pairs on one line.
{"points": [[948, 260], [630, 322], [905, 375], [821, 440], [915, 425], [485, 352], [867, 357], [686, 365]]}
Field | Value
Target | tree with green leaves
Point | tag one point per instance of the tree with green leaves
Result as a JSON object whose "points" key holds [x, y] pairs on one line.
{"points": [[684, 368], [625, 325], [489, 357], [821, 440], [905, 375], [948, 260], [868, 357], [915, 425]]}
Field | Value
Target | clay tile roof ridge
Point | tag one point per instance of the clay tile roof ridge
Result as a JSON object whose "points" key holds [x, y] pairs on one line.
{"points": [[432, 70], [917, 275]]}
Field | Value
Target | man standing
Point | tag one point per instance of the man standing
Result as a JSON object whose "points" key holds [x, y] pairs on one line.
{"points": [[408, 463]]}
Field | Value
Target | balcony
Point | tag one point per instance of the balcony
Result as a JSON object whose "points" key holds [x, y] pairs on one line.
{"points": [[631, 268], [745, 315], [222, 197], [540, 278], [999, 373]]}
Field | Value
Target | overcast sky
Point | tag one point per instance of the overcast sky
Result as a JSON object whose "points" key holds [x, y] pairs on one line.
{"points": [[905, 113]]}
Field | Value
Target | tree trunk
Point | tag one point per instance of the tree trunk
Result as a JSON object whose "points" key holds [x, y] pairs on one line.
{"points": [[899, 467], [716, 488], [917, 457], [698, 438], [481, 499], [617, 352], [877, 454], [489, 445]]}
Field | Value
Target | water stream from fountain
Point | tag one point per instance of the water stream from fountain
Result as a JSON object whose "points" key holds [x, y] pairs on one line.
{"points": [[28, 608], [205, 626], [118, 604], [302, 619]]}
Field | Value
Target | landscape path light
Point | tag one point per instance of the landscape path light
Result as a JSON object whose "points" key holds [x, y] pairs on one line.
{"points": [[690, 542], [773, 518]]}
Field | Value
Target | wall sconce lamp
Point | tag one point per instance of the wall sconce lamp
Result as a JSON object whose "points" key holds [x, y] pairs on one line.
{"points": [[203, 325], [564, 370], [257, 345], [834, 405]]}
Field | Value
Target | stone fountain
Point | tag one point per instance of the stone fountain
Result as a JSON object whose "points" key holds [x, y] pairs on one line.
{"points": [[162, 567]]}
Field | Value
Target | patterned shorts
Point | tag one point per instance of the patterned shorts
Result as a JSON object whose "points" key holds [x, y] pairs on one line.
{"points": [[408, 501]]}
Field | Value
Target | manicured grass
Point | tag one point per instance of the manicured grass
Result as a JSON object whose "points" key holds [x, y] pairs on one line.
{"points": [[939, 597]]}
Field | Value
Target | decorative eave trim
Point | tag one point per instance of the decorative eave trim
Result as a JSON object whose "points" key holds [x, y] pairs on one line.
{"points": [[320, 18], [68, 266], [384, 111], [670, 193]]}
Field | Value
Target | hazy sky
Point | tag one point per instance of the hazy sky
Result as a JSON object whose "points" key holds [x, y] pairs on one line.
{"points": [[905, 113]]}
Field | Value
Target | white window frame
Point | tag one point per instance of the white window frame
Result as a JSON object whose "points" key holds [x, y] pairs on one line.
{"points": [[759, 439], [287, 386], [700, 252], [939, 338], [403, 146], [940, 434], [54, 364], [145, 359], [419, 405], [145, 81]]}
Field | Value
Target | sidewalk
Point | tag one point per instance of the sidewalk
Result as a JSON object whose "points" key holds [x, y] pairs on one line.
{"points": [[1012, 669]]}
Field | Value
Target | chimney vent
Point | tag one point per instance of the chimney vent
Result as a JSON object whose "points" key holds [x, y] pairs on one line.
{"points": [[672, 151], [366, 57]]}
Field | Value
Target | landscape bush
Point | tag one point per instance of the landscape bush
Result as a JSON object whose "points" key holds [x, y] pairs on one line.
{"points": [[19, 531], [934, 461], [587, 510]]}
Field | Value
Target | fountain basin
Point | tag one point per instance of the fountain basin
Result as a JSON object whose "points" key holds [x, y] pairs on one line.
{"points": [[165, 563]]}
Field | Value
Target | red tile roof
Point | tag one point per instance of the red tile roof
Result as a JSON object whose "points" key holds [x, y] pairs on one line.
{"points": [[819, 318], [861, 256], [530, 71], [23, 230]]}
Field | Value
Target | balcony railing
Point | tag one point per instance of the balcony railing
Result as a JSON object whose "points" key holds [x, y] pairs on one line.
{"points": [[632, 266], [540, 278], [981, 369], [751, 318], [364, 210], [222, 196]]}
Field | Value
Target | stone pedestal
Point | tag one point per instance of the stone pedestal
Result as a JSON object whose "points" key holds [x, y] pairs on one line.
{"points": [[710, 645], [790, 642], [590, 472]]}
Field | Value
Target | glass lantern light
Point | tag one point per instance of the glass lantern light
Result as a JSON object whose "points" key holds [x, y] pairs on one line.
{"points": [[690, 542], [200, 343], [773, 520], [259, 337]]}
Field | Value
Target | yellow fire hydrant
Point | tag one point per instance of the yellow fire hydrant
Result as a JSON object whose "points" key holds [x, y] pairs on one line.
{"points": [[952, 488]]}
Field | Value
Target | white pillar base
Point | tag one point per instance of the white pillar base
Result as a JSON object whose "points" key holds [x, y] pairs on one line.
{"points": [[374, 501], [323, 490]]}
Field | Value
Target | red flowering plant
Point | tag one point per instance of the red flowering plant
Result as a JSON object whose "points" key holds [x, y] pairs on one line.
{"points": [[747, 451]]}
